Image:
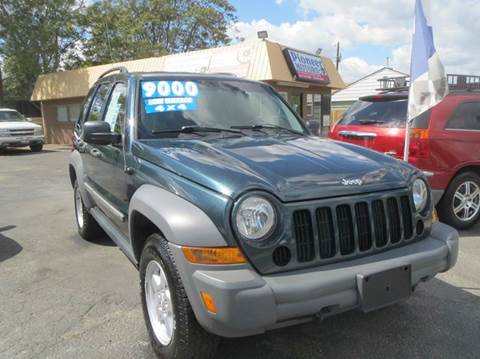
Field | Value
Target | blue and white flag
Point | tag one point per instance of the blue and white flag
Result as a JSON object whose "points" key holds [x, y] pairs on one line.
{"points": [[428, 83]]}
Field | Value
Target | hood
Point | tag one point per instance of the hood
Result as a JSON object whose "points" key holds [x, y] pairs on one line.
{"points": [[292, 168], [18, 125]]}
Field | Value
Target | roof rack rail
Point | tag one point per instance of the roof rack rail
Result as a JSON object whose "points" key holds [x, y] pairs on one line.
{"points": [[463, 82], [223, 73], [389, 84], [121, 69]]}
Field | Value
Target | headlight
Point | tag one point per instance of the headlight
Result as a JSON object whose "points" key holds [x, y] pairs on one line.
{"points": [[38, 131], [255, 217], [420, 194]]}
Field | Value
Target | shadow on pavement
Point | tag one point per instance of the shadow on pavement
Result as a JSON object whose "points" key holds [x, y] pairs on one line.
{"points": [[438, 321], [471, 232], [8, 247], [22, 152]]}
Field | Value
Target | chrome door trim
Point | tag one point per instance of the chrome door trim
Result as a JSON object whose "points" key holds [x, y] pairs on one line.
{"points": [[357, 134], [102, 202]]}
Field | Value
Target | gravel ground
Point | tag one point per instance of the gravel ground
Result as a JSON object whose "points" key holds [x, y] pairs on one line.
{"points": [[63, 297]]}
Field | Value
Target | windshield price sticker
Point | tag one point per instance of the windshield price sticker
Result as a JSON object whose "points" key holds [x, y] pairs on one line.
{"points": [[166, 96]]}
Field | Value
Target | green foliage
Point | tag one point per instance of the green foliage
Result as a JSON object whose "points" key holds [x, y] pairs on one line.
{"points": [[41, 36], [36, 36], [128, 29]]}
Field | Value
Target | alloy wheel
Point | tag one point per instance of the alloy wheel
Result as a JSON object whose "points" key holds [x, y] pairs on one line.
{"points": [[159, 302], [466, 201]]}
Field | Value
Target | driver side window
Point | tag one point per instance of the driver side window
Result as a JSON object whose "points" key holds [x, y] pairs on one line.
{"points": [[115, 112]]}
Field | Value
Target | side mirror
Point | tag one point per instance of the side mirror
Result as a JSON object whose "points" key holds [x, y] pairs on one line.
{"points": [[99, 133], [314, 127]]}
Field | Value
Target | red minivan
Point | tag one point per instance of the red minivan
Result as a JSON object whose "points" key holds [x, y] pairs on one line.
{"points": [[445, 143]]}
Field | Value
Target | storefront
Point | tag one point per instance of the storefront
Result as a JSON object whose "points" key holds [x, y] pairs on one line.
{"points": [[304, 80]]}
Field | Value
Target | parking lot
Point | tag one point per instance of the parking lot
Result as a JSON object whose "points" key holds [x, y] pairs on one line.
{"points": [[63, 297]]}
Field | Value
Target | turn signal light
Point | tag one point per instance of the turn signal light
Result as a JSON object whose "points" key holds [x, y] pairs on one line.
{"points": [[434, 216], [209, 302], [213, 255]]}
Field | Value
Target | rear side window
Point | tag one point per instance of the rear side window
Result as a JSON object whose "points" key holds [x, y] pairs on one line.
{"points": [[465, 117], [95, 113], [381, 113]]}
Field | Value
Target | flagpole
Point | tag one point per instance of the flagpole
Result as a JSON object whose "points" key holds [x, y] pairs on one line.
{"points": [[406, 150]]}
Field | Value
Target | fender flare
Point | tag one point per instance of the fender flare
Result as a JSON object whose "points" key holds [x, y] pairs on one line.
{"points": [[77, 164], [180, 221]]}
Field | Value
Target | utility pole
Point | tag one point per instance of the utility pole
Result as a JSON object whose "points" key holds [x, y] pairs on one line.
{"points": [[339, 57]]}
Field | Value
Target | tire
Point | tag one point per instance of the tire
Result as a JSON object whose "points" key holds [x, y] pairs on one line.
{"points": [[188, 340], [36, 148], [88, 228], [470, 213]]}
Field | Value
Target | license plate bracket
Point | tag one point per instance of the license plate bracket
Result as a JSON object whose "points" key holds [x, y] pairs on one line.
{"points": [[380, 289]]}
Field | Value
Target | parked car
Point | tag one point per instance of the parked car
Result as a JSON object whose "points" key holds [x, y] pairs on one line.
{"points": [[18, 131], [238, 220], [445, 143]]}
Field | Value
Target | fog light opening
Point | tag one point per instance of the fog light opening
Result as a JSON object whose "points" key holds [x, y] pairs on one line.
{"points": [[420, 227]]}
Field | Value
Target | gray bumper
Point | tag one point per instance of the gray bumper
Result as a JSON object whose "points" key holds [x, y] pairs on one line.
{"points": [[249, 303], [21, 141]]}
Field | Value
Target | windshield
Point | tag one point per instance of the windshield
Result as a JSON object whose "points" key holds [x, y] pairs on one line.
{"points": [[9, 116], [382, 113], [224, 104]]}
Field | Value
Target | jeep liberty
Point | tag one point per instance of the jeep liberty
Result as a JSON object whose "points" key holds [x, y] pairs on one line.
{"points": [[238, 220]]}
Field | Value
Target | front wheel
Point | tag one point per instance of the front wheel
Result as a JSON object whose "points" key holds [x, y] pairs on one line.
{"points": [[36, 148], [87, 226], [173, 329], [460, 206]]}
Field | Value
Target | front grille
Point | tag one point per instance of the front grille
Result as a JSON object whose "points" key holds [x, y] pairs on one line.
{"points": [[348, 229], [21, 132]]}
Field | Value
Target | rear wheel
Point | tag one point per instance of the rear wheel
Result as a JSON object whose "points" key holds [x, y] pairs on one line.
{"points": [[36, 148], [460, 206], [173, 329], [87, 226]]}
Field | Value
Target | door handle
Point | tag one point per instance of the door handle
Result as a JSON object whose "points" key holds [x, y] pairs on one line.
{"points": [[391, 153], [361, 134], [95, 153]]}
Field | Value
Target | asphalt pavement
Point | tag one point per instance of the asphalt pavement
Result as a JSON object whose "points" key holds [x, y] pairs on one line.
{"points": [[63, 297]]}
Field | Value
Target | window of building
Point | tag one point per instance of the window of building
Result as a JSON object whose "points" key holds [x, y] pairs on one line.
{"points": [[68, 112], [465, 117]]}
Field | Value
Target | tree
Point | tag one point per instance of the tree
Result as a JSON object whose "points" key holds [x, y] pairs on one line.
{"points": [[122, 30], [36, 36]]}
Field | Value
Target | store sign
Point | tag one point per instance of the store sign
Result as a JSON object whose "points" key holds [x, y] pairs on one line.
{"points": [[306, 67]]}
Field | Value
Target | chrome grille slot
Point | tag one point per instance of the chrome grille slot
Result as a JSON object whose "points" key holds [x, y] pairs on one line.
{"points": [[345, 229], [303, 230], [326, 232]]}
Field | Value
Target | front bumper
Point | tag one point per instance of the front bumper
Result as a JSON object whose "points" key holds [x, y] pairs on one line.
{"points": [[249, 303], [21, 141]]}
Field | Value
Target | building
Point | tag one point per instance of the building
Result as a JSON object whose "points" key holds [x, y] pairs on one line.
{"points": [[304, 80], [368, 85]]}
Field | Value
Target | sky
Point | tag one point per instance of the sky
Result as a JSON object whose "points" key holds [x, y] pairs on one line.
{"points": [[369, 31]]}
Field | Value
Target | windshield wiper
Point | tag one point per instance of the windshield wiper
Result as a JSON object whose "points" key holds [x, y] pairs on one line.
{"points": [[196, 129], [261, 127], [370, 121]]}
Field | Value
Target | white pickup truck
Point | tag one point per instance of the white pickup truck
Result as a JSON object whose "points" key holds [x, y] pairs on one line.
{"points": [[18, 131]]}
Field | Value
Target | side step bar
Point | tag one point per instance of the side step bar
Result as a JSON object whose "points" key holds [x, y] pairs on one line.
{"points": [[112, 231]]}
